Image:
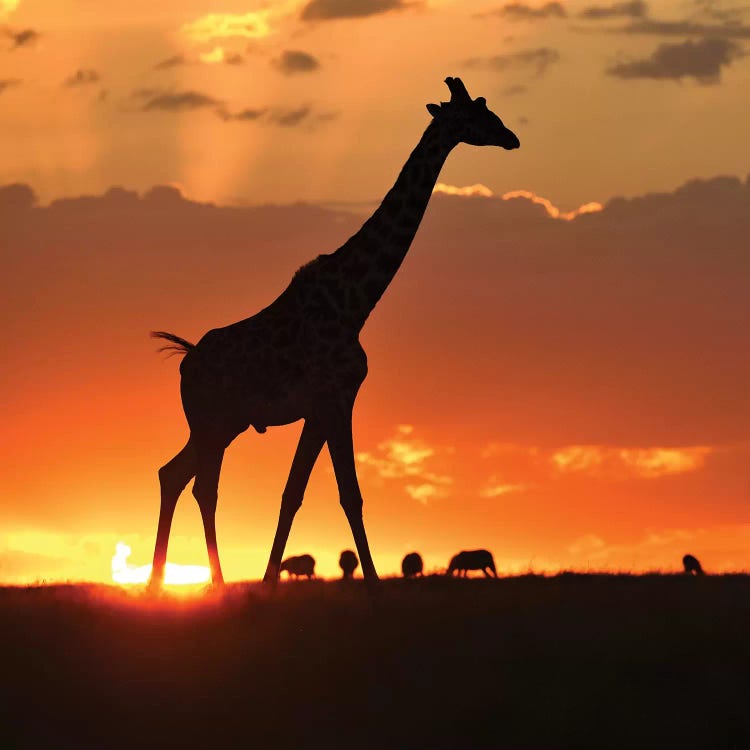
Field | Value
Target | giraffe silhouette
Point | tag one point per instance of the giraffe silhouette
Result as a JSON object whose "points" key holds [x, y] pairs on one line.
{"points": [[300, 357]]}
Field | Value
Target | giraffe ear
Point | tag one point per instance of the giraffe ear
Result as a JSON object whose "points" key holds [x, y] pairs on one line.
{"points": [[433, 109]]}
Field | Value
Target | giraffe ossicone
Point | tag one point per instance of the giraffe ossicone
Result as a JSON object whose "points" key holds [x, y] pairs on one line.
{"points": [[300, 357]]}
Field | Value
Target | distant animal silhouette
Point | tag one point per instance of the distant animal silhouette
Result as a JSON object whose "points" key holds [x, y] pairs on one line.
{"points": [[478, 559], [348, 563], [300, 357], [692, 566], [301, 565], [412, 565]]}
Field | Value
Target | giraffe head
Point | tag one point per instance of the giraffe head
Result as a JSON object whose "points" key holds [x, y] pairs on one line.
{"points": [[469, 120]]}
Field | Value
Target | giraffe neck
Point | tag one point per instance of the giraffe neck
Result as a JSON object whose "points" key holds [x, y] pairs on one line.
{"points": [[370, 259]]}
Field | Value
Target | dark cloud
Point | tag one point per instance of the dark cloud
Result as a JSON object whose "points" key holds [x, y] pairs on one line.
{"points": [[22, 38], [519, 11], [171, 62], [630, 8], [623, 327], [539, 59], [83, 77], [16, 197], [245, 115], [230, 58], [296, 61], [652, 26], [701, 60], [156, 100], [322, 10], [289, 118], [7, 83]]}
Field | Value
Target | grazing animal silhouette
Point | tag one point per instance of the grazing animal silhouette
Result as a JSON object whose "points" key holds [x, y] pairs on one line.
{"points": [[301, 565], [348, 563], [300, 357], [692, 566], [412, 565], [477, 559]]}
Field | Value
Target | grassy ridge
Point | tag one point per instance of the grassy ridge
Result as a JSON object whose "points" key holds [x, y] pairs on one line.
{"points": [[573, 661]]}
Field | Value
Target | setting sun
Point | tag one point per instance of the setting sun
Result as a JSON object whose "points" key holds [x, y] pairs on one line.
{"points": [[124, 573]]}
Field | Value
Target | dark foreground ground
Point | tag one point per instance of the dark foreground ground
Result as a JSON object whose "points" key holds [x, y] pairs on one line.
{"points": [[529, 663]]}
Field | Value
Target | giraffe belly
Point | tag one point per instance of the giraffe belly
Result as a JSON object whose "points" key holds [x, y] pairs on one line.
{"points": [[261, 413]]}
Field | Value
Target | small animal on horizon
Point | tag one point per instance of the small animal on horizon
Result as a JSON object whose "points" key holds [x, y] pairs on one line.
{"points": [[300, 565], [348, 562], [412, 565], [692, 566], [477, 559]]}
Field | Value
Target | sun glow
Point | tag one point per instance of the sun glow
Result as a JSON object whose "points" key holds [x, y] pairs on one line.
{"points": [[124, 573]]}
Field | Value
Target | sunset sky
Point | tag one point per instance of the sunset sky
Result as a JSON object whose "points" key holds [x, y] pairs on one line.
{"points": [[566, 387]]}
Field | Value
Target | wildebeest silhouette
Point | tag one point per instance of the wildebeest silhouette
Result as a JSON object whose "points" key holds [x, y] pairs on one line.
{"points": [[348, 563], [412, 565], [300, 565], [476, 559], [692, 566]]}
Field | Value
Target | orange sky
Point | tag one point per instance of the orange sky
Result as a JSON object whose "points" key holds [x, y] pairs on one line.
{"points": [[567, 393]]}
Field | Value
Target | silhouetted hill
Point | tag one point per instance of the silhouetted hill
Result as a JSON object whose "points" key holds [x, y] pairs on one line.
{"points": [[573, 661]]}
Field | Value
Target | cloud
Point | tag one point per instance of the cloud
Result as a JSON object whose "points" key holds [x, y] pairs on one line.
{"points": [[496, 487], [16, 197], [7, 83], [514, 90], [289, 118], [405, 457], [244, 115], [214, 56], [622, 463], [652, 26], [219, 55], [156, 100], [296, 61], [82, 77], [468, 190], [539, 59], [594, 331], [22, 38], [553, 211], [518, 11], [322, 10], [701, 60], [171, 62], [251, 25], [163, 100], [629, 8]]}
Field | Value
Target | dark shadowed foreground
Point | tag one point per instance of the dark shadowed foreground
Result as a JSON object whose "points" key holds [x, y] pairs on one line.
{"points": [[535, 663]]}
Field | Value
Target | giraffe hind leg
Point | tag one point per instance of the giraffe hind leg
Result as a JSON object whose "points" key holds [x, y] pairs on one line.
{"points": [[209, 456], [173, 478]]}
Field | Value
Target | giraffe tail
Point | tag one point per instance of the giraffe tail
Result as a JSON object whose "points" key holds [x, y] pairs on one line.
{"points": [[176, 344]]}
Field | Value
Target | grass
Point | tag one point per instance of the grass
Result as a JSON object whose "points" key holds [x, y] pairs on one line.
{"points": [[524, 663]]}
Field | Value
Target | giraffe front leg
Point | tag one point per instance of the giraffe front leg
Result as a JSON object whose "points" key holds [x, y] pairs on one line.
{"points": [[308, 449], [341, 447]]}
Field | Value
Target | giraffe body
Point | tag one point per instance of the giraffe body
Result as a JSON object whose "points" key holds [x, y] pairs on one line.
{"points": [[300, 357]]}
